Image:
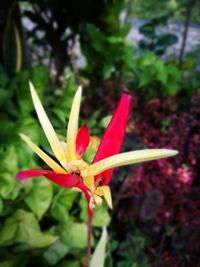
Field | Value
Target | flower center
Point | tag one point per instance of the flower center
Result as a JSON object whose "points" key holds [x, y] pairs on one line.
{"points": [[76, 166]]}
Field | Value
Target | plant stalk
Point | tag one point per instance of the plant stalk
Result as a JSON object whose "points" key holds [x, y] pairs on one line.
{"points": [[89, 235]]}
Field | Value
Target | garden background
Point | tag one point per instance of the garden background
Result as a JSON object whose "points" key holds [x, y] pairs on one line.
{"points": [[152, 49]]}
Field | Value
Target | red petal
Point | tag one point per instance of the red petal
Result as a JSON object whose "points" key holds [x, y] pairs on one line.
{"points": [[82, 140], [64, 180], [112, 140]]}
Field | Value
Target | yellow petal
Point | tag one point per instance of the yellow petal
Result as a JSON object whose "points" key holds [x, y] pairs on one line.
{"points": [[107, 195], [47, 127], [97, 200], [99, 190], [73, 126], [49, 161], [126, 159], [89, 182]]}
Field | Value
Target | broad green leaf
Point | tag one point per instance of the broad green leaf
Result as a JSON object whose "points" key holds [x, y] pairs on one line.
{"points": [[74, 235], [64, 98], [99, 255], [56, 252], [147, 75], [8, 263], [8, 232], [4, 95], [61, 204], [3, 79], [114, 39], [98, 40], [69, 263], [11, 47], [30, 127], [161, 71], [105, 121], [22, 227], [101, 216], [89, 155], [8, 171], [124, 30], [173, 79], [32, 237], [1, 205], [39, 198], [39, 78], [15, 261], [147, 59], [108, 69]]}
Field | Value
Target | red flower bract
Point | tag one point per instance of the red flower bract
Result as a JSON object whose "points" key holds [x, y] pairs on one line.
{"points": [[112, 140]]}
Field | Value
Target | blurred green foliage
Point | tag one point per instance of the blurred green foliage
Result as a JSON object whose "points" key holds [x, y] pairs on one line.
{"points": [[154, 40], [156, 77], [113, 53]]}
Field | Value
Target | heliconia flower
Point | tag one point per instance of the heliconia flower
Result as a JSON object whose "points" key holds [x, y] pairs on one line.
{"points": [[70, 170]]}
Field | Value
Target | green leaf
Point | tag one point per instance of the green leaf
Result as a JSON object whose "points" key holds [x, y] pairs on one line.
{"points": [[8, 231], [39, 198], [1, 206], [147, 76], [114, 39], [4, 95], [15, 261], [108, 69], [64, 98], [8, 171], [74, 235], [97, 38], [161, 71], [61, 204], [56, 252], [32, 237], [105, 121], [89, 155], [12, 47], [147, 59], [30, 127], [69, 263], [99, 255], [22, 227], [173, 79], [101, 216], [39, 78]]}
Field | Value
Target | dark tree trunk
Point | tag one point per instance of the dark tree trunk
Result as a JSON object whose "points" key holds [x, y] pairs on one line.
{"points": [[189, 10]]}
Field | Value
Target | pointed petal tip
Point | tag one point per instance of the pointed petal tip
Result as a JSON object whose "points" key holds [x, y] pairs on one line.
{"points": [[170, 152], [79, 90], [73, 126], [18, 176], [23, 175], [127, 158], [126, 91], [107, 195], [33, 92], [22, 136], [31, 86], [30, 83]]}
